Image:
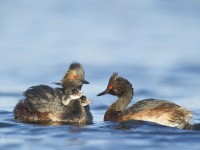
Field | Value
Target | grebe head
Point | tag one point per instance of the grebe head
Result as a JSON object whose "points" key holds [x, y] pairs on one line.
{"points": [[76, 94], [75, 76], [117, 86], [71, 95], [85, 101]]}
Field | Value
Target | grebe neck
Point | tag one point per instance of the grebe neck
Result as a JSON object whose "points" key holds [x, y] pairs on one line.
{"points": [[123, 100]]}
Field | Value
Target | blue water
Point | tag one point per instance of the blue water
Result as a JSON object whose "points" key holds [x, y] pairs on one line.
{"points": [[154, 44]]}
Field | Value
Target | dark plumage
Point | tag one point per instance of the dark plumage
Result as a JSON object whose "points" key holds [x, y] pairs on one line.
{"points": [[159, 111], [76, 74], [45, 104]]}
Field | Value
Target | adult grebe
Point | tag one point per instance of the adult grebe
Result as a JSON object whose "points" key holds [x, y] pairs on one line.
{"points": [[159, 111], [45, 104]]}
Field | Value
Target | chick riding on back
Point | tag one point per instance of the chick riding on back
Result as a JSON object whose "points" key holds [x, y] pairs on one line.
{"points": [[45, 104]]}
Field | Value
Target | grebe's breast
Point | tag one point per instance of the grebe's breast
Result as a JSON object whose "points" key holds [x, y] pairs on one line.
{"points": [[158, 111]]}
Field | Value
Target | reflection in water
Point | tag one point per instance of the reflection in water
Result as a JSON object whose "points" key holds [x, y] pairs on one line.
{"points": [[89, 136], [196, 126]]}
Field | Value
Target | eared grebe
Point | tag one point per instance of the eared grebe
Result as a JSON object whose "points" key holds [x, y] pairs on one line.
{"points": [[75, 77], [66, 104], [159, 111]]}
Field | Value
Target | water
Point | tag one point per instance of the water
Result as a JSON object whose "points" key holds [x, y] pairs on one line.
{"points": [[154, 44]]}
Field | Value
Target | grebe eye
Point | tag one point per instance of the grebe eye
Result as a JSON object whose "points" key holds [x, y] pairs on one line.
{"points": [[110, 87], [75, 76]]}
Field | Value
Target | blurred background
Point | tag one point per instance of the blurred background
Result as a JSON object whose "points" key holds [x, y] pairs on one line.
{"points": [[154, 44]]}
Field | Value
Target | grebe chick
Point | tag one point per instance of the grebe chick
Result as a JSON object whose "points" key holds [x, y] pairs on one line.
{"points": [[159, 111], [76, 94], [73, 94]]}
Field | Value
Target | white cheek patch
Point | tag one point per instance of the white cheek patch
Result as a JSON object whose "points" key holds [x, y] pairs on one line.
{"points": [[66, 101], [76, 96], [80, 94]]}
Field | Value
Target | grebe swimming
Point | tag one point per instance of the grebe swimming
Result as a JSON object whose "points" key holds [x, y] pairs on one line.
{"points": [[154, 110], [66, 104]]}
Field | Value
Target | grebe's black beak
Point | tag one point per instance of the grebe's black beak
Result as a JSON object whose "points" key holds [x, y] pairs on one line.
{"points": [[103, 93], [85, 82]]}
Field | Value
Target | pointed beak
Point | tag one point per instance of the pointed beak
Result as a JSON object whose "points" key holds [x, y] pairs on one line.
{"points": [[103, 93], [85, 82]]}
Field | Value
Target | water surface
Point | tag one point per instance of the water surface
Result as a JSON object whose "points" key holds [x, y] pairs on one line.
{"points": [[154, 44]]}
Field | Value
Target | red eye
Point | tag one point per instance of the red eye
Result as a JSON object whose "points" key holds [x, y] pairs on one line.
{"points": [[110, 87], [75, 76]]}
